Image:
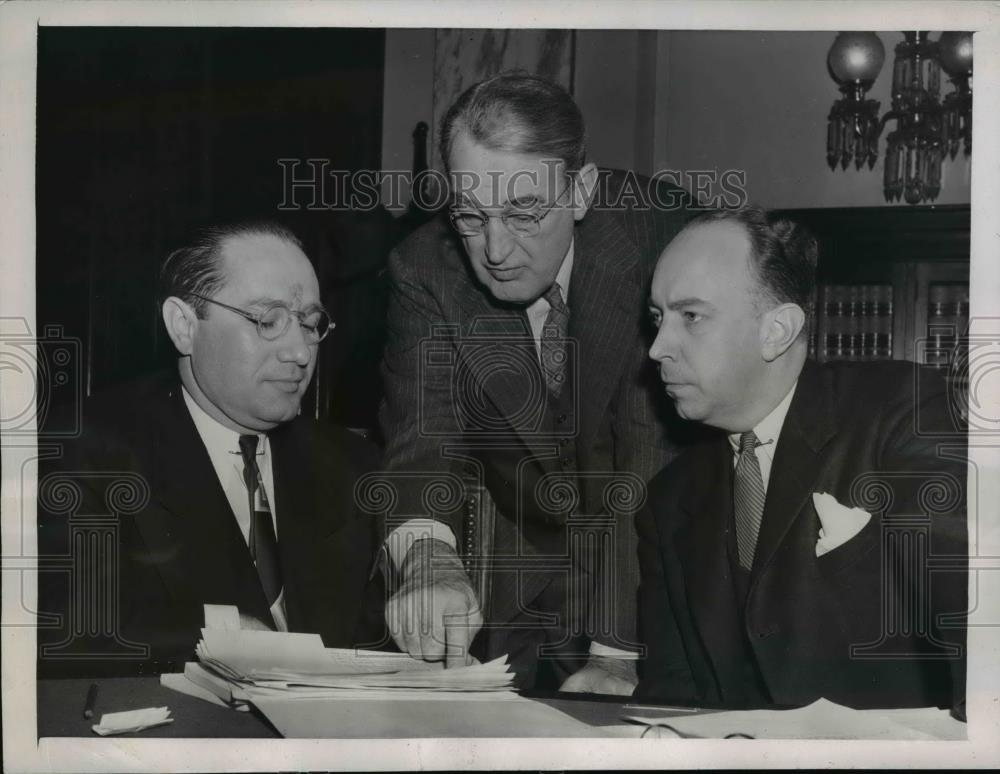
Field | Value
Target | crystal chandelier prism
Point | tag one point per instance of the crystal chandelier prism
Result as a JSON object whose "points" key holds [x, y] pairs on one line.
{"points": [[927, 130]]}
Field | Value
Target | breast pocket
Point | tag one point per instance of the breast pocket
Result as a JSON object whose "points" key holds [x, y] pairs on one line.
{"points": [[850, 554]]}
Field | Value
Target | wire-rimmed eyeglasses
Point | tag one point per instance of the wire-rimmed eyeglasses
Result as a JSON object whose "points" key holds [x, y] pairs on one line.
{"points": [[470, 222], [273, 322]]}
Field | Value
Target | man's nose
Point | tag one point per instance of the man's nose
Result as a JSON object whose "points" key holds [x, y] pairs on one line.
{"points": [[499, 241], [663, 346], [294, 347]]}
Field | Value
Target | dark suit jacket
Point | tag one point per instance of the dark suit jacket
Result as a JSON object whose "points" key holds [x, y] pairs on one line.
{"points": [[864, 434], [435, 414], [177, 541]]}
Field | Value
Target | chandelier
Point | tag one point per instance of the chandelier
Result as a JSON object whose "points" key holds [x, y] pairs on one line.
{"points": [[927, 129]]}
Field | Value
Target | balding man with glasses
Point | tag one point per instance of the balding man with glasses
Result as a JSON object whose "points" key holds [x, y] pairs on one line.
{"points": [[515, 358], [246, 503]]}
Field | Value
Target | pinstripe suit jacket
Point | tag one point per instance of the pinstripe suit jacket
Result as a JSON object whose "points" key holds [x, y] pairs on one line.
{"points": [[448, 397]]}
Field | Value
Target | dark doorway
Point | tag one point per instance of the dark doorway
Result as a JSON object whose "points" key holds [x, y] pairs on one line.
{"points": [[144, 133]]}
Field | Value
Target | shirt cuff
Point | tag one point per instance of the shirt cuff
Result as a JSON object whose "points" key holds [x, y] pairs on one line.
{"points": [[606, 651], [404, 536]]}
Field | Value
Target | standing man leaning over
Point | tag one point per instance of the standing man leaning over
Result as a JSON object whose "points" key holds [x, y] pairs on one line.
{"points": [[559, 391], [784, 560], [240, 500]]}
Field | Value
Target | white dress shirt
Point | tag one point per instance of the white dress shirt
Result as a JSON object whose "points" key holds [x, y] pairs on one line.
{"points": [[223, 446], [405, 535], [538, 310], [767, 432]]}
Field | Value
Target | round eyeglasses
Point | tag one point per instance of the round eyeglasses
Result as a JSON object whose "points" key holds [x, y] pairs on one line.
{"points": [[469, 222], [273, 322]]}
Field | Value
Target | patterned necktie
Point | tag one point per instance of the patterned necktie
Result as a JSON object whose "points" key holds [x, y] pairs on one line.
{"points": [[553, 343], [748, 497], [262, 542]]}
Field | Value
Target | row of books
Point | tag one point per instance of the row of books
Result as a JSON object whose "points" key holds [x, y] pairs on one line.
{"points": [[854, 322], [947, 322]]}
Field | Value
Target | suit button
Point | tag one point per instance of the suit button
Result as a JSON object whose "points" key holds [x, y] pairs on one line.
{"points": [[561, 419], [567, 462]]}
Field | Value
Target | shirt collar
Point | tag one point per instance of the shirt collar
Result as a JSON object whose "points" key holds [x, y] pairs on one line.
{"points": [[538, 308], [217, 437], [768, 429]]}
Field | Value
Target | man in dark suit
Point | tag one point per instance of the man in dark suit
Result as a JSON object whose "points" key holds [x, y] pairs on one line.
{"points": [[205, 484], [816, 546], [515, 353]]}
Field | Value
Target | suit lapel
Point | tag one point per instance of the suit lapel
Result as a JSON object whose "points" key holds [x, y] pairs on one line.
{"points": [[326, 551], [296, 515], [606, 302], [212, 561], [808, 426], [701, 543], [708, 506], [507, 359]]}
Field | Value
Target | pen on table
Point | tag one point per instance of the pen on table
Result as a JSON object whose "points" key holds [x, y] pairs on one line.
{"points": [[88, 707]]}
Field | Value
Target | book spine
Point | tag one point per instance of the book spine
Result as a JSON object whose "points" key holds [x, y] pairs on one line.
{"points": [[855, 322], [883, 315]]}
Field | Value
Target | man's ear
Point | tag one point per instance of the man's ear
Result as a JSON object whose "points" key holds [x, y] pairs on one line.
{"points": [[584, 189], [779, 329], [181, 323]]}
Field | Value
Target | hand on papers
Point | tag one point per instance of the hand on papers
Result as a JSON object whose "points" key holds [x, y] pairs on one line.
{"points": [[435, 614], [603, 674]]}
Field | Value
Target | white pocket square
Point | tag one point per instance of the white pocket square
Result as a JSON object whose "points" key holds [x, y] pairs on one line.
{"points": [[839, 523]]}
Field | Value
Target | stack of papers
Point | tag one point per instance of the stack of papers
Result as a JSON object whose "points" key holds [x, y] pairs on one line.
{"points": [[237, 666], [287, 661], [200, 683]]}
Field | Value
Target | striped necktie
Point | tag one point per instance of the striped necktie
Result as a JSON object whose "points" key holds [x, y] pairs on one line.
{"points": [[262, 543], [553, 343], [748, 498]]}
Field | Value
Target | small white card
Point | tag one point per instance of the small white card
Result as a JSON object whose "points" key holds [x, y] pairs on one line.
{"points": [[131, 721]]}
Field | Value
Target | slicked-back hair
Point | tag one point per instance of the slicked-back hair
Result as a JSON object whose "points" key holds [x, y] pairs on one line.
{"points": [[196, 267], [518, 112], [783, 254]]}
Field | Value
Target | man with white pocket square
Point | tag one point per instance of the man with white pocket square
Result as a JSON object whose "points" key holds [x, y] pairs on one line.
{"points": [[816, 546]]}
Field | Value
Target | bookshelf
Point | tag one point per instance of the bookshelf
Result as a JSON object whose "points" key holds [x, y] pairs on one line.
{"points": [[866, 322], [893, 283], [853, 322]]}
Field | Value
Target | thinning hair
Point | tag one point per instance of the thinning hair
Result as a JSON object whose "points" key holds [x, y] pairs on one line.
{"points": [[195, 268], [518, 112], [783, 254]]}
